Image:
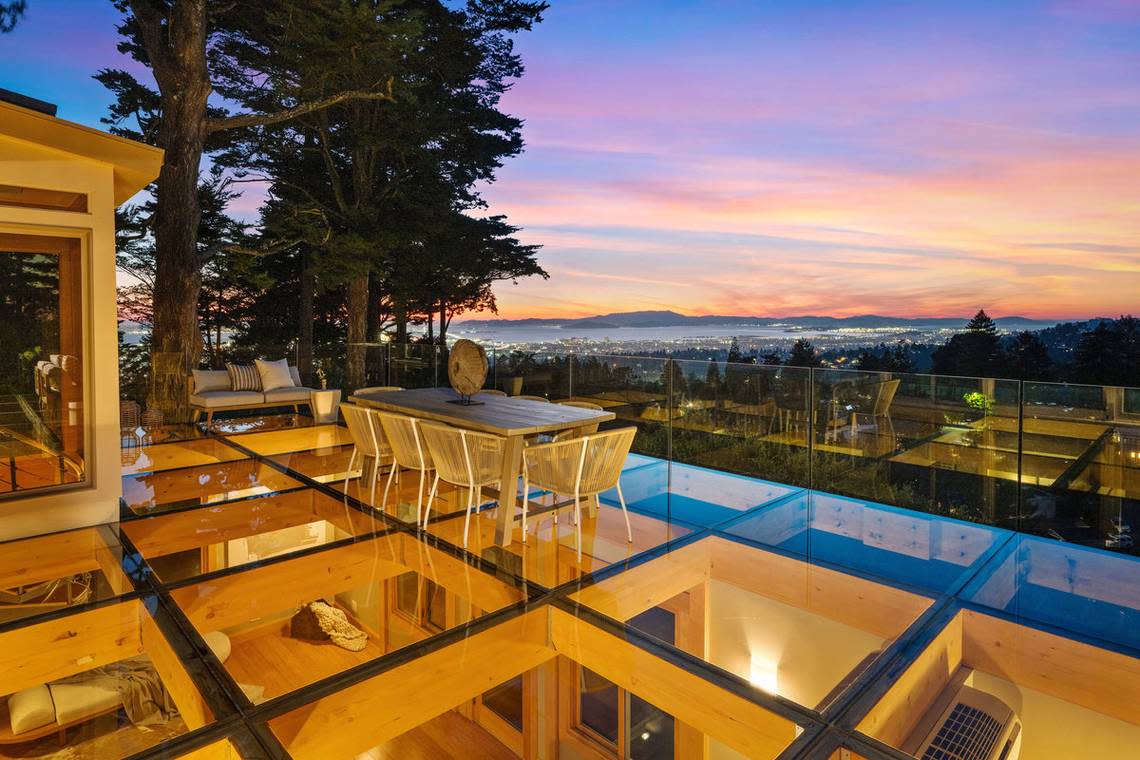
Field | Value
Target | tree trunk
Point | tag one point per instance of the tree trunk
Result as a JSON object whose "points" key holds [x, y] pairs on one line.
{"points": [[176, 46], [374, 315], [357, 327], [442, 322], [305, 324], [400, 317]]}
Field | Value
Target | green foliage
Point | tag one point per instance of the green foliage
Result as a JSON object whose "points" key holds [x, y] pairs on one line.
{"points": [[803, 354], [518, 364], [884, 358], [1109, 354], [979, 402], [10, 13], [386, 188]]}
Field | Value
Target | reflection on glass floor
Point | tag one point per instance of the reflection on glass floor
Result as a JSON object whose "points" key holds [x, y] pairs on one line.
{"points": [[168, 456], [194, 486], [767, 622]]}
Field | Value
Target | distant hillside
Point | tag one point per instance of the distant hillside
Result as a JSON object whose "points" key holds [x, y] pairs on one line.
{"points": [[673, 319]]}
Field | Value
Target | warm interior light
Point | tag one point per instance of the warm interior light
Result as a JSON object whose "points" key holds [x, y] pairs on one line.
{"points": [[764, 674], [325, 405]]}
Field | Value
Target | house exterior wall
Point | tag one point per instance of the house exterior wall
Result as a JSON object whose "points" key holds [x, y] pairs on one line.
{"points": [[25, 164]]}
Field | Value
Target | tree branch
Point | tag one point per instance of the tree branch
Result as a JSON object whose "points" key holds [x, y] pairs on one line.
{"points": [[263, 119]]}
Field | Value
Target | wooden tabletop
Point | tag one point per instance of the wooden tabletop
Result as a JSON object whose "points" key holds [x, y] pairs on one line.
{"points": [[501, 415]]}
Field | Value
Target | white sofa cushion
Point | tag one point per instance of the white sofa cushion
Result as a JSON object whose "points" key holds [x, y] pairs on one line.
{"points": [[211, 380], [219, 644], [215, 399], [295, 374], [75, 701], [274, 375], [290, 395], [30, 708]]}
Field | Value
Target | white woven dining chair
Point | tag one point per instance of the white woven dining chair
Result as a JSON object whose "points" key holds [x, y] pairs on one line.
{"points": [[368, 442], [465, 459], [582, 405], [584, 467], [578, 432], [408, 451]]}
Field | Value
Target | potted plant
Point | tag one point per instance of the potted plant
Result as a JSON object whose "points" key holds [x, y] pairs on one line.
{"points": [[519, 364]]}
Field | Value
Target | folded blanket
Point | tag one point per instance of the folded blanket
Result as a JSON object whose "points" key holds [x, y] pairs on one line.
{"points": [[335, 623], [145, 699]]}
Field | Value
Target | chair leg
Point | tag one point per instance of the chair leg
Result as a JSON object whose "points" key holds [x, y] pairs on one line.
{"points": [[625, 513], [388, 483], [467, 515], [420, 496], [578, 523], [375, 477], [525, 503], [431, 499], [348, 472]]}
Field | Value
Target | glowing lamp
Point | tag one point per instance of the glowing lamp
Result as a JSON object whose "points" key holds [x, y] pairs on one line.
{"points": [[764, 674]]}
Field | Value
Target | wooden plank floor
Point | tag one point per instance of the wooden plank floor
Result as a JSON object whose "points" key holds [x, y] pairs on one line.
{"points": [[449, 735], [267, 656]]}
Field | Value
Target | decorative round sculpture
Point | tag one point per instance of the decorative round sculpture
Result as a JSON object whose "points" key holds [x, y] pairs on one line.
{"points": [[467, 367]]}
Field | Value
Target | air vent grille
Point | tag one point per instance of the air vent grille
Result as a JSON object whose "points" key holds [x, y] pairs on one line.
{"points": [[967, 734]]}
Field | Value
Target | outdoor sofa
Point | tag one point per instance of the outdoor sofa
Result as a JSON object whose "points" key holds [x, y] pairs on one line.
{"points": [[260, 385]]}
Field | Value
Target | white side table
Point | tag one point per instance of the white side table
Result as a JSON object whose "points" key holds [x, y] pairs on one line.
{"points": [[325, 406]]}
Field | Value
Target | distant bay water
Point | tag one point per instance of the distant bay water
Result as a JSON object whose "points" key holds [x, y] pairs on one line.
{"points": [[546, 334]]}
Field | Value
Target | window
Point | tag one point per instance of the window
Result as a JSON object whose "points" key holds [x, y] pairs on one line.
{"points": [[42, 428], [421, 601], [598, 705], [506, 701], [53, 200], [611, 717]]}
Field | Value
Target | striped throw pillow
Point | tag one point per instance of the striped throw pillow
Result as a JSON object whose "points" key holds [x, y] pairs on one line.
{"points": [[244, 377]]}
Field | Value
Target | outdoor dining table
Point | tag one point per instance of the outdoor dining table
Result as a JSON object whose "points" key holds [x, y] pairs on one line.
{"points": [[512, 418]]}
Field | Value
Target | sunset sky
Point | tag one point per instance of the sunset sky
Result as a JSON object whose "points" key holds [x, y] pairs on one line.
{"points": [[780, 158]]}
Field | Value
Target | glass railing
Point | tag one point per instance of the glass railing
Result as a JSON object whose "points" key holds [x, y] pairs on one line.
{"points": [[1050, 459]]}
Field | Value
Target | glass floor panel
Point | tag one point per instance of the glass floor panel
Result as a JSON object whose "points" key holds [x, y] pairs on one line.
{"points": [[549, 554], [207, 484], [187, 544], [109, 684], [384, 593], [898, 545], [1047, 696], [168, 456], [47, 574], [788, 627], [1086, 591], [611, 697], [294, 439]]}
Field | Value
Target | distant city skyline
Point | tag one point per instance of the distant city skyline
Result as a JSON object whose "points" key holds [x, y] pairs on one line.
{"points": [[778, 159]]}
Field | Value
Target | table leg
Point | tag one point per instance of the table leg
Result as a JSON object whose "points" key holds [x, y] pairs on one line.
{"points": [[508, 490]]}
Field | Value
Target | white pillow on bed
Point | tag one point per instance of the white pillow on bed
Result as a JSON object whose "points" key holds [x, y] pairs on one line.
{"points": [[274, 375], [76, 701], [30, 708]]}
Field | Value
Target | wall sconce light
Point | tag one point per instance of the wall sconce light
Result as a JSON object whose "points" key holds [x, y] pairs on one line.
{"points": [[764, 674]]}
